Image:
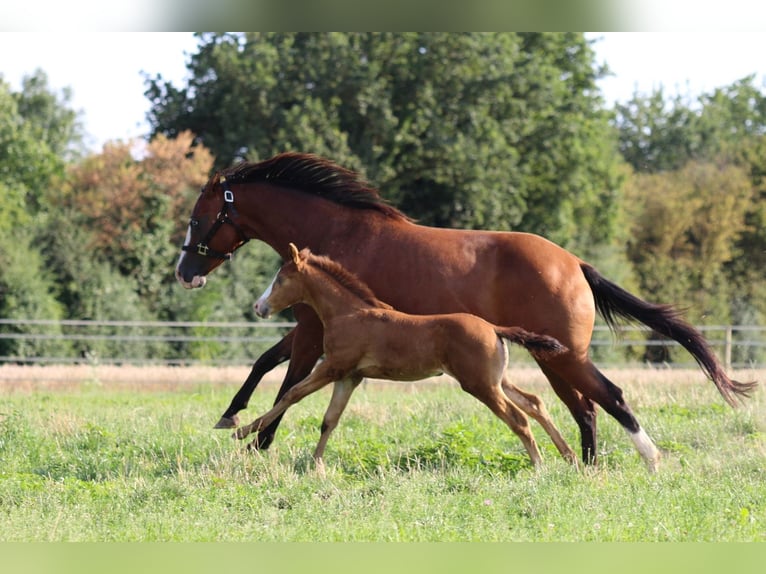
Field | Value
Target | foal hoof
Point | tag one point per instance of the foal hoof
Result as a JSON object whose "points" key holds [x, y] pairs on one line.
{"points": [[240, 433], [227, 423]]}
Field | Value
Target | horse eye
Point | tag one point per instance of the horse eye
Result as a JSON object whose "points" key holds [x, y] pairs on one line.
{"points": [[194, 222], [202, 189]]}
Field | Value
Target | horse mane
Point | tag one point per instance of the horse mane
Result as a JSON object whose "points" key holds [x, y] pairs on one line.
{"points": [[317, 176], [346, 279]]}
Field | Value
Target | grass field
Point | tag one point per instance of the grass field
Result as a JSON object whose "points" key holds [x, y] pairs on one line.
{"points": [[127, 454]]}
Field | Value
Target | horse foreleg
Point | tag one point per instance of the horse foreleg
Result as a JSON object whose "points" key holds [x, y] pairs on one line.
{"points": [[321, 376], [276, 355], [533, 406]]}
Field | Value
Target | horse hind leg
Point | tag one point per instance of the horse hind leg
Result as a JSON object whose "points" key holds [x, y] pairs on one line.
{"points": [[609, 396], [589, 381], [534, 407], [583, 411]]}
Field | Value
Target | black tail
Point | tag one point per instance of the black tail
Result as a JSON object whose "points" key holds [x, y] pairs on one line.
{"points": [[613, 302], [541, 346]]}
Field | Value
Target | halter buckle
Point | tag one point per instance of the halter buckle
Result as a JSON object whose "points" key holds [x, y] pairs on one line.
{"points": [[228, 196], [202, 249]]}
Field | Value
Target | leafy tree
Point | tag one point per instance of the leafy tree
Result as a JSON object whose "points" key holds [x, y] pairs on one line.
{"points": [[26, 292], [656, 134], [50, 117], [136, 209], [29, 164], [35, 127], [726, 127], [471, 130], [685, 229]]}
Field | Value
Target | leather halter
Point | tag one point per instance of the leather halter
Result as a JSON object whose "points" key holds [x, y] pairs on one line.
{"points": [[203, 247]]}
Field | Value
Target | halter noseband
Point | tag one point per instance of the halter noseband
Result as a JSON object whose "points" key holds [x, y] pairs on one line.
{"points": [[203, 248]]}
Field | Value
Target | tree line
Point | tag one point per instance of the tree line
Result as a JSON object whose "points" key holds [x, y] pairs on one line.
{"points": [[494, 131]]}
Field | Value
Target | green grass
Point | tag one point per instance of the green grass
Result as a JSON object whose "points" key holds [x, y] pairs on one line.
{"points": [[94, 463]]}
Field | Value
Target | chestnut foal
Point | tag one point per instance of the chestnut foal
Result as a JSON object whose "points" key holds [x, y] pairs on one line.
{"points": [[364, 337]]}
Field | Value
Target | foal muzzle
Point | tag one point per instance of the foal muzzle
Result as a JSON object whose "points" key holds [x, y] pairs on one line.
{"points": [[262, 309]]}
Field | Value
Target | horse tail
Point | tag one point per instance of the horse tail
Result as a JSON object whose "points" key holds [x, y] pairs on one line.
{"points": [[613, 303], [541, 346]]}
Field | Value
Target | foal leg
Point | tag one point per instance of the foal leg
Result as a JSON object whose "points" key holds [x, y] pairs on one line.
{"points": [[321, 376], [306, 350], [265, 363], [534, 407], [505, 410], [341, 393]]}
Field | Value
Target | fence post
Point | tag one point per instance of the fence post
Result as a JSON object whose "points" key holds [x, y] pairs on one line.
{"points": [[727, 349]]}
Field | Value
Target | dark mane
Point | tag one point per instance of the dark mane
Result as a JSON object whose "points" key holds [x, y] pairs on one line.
{"points": [[346, 279], [317, 176]]}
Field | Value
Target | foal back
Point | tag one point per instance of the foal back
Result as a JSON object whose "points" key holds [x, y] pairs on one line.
{"points": [[388, 344]]}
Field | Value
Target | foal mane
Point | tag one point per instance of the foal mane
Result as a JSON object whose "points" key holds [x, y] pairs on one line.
{"points": [[346, 279], [317, 176]]}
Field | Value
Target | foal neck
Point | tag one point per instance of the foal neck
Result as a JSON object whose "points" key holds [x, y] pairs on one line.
{"points": [[335, 291]]}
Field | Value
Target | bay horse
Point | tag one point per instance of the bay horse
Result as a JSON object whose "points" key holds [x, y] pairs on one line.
{"points": [[507, 278], [365, 337]]}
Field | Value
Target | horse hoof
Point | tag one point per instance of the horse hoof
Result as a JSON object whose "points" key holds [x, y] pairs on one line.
{"points": [[227, 423]]}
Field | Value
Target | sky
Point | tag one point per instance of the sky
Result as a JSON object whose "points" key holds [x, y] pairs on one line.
{"points": [[105, 70]]}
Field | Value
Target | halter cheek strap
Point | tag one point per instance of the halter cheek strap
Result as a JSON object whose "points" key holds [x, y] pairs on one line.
{"points": [[203, 247]]}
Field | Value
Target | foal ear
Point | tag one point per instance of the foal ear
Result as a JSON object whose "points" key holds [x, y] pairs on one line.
{"points": [[294, 255]]}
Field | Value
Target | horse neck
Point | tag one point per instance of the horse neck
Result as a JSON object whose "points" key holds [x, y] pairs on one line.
{"points": [[279, 216]]}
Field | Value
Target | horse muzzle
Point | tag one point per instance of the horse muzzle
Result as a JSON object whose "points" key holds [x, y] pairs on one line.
{"points": [[196, 282]]}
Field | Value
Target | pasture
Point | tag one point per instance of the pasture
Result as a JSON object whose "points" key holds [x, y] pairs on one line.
{"points": [[128, 454]]}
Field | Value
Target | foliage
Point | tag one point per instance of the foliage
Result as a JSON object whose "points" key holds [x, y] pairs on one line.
{"points": [[136, 208], [29, 161], [26, 292], [704, 202], [33, 127], [49, 116], [683, 218]]}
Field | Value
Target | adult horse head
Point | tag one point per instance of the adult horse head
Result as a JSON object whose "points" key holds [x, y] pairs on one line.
{"points": [[505, 278], [212, 236]]}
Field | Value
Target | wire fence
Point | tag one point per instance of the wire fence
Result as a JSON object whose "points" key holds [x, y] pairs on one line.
{"points": [[36, 341]]}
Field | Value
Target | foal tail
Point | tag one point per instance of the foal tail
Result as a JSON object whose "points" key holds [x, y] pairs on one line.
{"points": [[613, 302], [540, 346]]}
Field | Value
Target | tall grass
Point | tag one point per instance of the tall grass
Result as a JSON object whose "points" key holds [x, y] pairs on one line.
{"points": [[114, 460]]}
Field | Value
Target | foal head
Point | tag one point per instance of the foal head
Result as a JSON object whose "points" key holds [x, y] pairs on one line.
{"points": [[287, 287]]}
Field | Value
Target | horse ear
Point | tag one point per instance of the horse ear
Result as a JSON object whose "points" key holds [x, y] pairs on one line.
{"points": [[294, 255]]}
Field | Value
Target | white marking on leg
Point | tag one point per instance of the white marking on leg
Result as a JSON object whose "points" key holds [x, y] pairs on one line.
{"points": [[646, 448]]}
